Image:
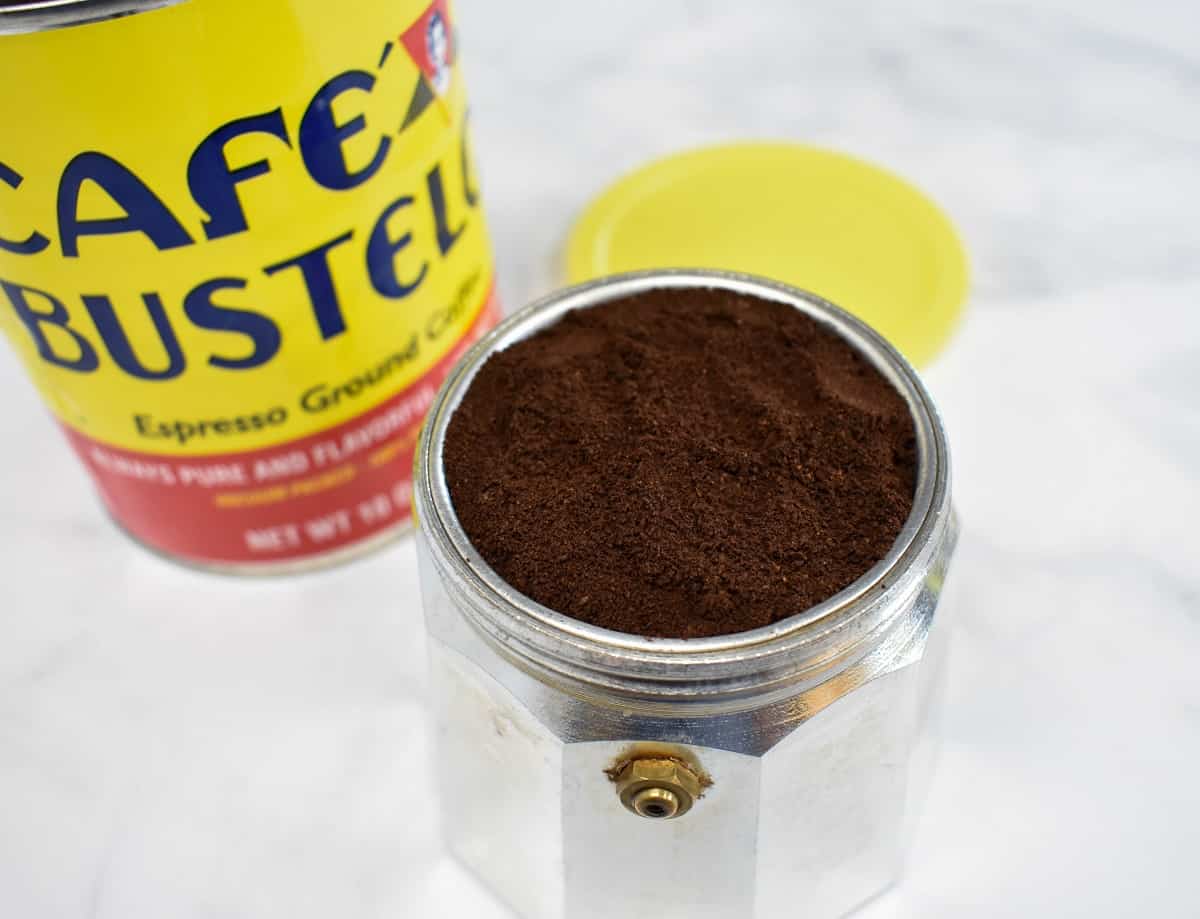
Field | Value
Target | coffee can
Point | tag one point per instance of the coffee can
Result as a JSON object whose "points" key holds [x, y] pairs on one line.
{"points": [[771, 773], [241, 245]]}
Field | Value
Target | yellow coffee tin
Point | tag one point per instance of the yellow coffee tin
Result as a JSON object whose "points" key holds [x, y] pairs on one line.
{"points": [[240, 245]]}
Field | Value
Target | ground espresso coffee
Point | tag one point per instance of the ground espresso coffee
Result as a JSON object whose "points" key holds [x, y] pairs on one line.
{"points": [[681, 464]]}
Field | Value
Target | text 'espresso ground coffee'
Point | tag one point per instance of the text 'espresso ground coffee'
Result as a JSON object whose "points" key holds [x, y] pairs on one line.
{"points": [[681, 464]]}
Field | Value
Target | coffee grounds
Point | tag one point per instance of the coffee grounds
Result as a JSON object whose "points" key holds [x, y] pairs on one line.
{"points": [[681, 463]]}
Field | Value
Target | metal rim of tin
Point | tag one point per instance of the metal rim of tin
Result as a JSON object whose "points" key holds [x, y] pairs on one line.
{"points": [[39, 15], [806, 648]]}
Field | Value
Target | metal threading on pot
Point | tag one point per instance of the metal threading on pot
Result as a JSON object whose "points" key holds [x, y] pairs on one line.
{"points": [[705, 675]]}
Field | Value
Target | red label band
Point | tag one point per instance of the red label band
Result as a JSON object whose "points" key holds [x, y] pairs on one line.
{"points": [[300, 499]]}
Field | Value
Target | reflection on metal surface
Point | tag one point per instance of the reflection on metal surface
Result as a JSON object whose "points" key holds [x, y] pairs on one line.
{"points": [[810, 729]]}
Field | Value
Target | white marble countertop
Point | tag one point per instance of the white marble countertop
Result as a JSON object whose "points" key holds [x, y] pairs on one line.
{"points": [[185, 746]]}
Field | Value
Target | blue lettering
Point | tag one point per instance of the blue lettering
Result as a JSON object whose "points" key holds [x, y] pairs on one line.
{"points": [[109, 326], [445, 236], [318, 281], [144, 212], [381, 255], [262, 332], [57, 317], [35, 241], [321, 136], [214, 184]]}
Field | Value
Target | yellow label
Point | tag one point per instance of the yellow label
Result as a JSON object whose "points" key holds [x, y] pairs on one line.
{"points": [[229, 224]]}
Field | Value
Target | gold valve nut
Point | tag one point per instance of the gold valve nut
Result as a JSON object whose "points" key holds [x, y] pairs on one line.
{"points": [[658, 788]]}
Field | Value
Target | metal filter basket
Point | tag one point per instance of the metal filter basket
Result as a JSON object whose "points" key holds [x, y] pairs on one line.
{"points": [[769, 773]]}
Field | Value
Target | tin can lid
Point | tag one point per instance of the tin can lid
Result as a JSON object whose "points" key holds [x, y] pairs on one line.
{"points": [[846, 230]]}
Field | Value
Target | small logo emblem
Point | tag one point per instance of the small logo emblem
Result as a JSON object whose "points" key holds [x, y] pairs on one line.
{"points": [[437, 45], [430, 43]]}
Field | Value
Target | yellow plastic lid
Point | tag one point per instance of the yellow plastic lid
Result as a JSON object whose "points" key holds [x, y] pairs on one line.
{"points": [[846, 230]]}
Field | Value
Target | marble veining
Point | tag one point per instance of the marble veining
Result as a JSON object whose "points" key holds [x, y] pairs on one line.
{"points": [[185, 746]]}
